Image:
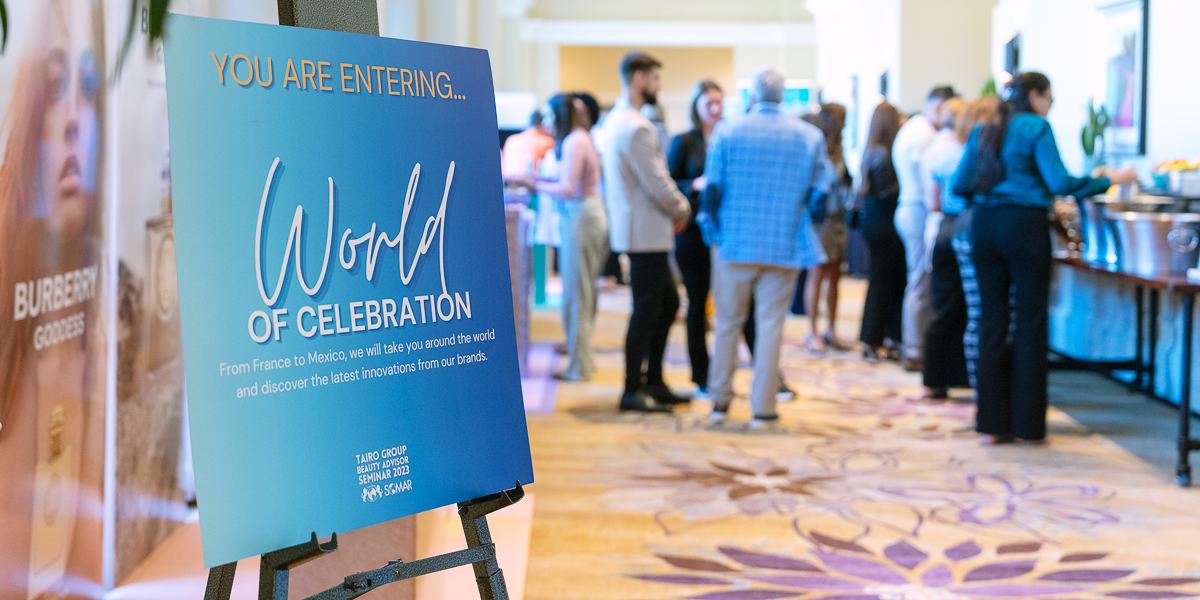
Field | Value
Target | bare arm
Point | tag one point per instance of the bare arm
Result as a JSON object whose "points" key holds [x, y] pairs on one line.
{"points": [[570, 173]]}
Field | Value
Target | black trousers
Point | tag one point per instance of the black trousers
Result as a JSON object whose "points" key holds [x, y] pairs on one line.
{"points": [[887, 273], [1012, 247], [612, 268], [655, 302], [945, 362], [695, 264]]}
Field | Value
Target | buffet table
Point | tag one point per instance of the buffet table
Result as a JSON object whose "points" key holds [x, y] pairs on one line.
{"points": [[1143, 364]]}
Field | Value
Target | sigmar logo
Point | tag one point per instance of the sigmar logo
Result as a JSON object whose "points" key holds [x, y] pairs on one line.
{"points": [[372, 493]]}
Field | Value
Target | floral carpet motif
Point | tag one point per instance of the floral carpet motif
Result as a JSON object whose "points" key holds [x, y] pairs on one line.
{"points": [[864, 491], [999, 500], [837, 569], [700, 486]]}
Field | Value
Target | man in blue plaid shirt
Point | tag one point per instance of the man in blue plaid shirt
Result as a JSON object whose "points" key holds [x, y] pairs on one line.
{"points": [[763, 172]]}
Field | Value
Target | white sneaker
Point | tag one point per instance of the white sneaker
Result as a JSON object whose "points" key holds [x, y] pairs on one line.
{"points": [[717, 416], [757, 424]]}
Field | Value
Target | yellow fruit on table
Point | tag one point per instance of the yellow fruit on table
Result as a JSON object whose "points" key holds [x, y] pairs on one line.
{"points": [[1178, 165]]}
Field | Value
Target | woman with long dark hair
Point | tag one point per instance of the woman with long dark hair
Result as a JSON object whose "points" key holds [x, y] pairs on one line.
{"points": [[831, 227], [887, 271], [584, 228], [1012, 168], [685, 159]]}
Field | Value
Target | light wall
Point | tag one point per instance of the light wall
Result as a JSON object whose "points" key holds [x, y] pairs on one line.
{"points": [[672, 10], [1174, 88], [1059, 52], [595, 69], [1062, 53], [534, 45], [943, 42], [796, 61], [857, 40], [918, 43]]}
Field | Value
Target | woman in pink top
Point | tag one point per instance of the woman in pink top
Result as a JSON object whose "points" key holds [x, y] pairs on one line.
{"points": [[584, 228]]}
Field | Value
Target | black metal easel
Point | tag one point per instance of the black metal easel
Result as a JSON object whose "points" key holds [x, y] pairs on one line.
{"points": [[274, 567], [360, 16]]}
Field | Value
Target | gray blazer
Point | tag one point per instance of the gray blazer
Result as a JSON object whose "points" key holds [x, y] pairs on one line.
{"points": [[642, 198]]}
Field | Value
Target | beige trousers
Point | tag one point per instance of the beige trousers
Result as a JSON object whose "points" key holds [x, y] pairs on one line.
{"points": [[733, 284]]}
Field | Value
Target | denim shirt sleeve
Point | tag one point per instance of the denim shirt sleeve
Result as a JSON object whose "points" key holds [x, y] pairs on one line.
{"points": [[1054, 173], [965, 173]]}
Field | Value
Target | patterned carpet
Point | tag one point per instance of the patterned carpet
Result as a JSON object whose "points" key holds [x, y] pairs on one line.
{"points": [[864, 494]]}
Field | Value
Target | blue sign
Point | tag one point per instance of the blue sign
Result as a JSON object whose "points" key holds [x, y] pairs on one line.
{"points": [[343, 279]]}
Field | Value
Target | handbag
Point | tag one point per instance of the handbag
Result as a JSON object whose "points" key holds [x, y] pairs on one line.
{"points": [[854, 214], [818, 208]]}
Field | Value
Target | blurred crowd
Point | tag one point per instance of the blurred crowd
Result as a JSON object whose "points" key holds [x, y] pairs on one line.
{"points": [[952, 202]]}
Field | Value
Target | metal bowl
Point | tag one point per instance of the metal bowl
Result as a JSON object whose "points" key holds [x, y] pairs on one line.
{"points": [[1140, 203], [1153, 244]]}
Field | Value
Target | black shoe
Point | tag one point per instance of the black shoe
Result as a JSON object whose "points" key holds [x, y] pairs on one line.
{"points": [[663, 394], [643, 402], [785, 393]]}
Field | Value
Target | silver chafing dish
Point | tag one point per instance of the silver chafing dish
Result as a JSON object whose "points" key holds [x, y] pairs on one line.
{"points": [[1152, 244], [1140, 203], [1100, 230]]}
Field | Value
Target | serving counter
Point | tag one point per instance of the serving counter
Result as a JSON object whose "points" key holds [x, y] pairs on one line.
{"points": [[1112, 320]]}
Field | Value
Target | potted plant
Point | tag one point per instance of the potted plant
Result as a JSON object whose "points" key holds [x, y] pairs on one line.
{"points": [[1093, 131]]}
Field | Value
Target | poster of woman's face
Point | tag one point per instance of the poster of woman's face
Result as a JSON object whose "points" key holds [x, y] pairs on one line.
{"points": [[69, 128], [1117, 77], [51, 330]]}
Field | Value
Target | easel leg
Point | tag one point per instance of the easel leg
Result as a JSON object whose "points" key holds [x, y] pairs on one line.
{"points": [[220, 582], [473, 513], [488, 575], [272, 582], [273, 567]]}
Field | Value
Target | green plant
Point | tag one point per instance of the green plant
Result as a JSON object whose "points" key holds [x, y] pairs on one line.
{"points": [[152, 18], [1094, 129], [989, 88], [3, 26]]}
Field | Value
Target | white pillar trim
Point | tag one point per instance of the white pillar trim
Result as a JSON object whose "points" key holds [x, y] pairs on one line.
{"points": [[709, 34], [515, 9]]}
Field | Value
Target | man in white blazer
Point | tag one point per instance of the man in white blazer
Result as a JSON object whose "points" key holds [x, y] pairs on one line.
{"points": [[645, 211]]}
